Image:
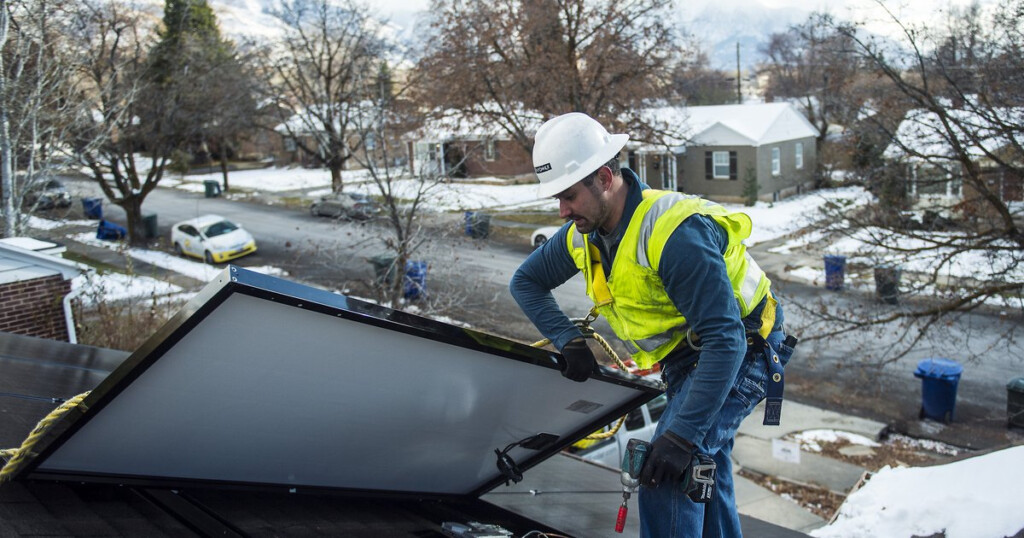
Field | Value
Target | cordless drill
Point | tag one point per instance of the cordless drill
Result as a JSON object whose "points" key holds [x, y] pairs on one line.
{"points": [[699, 479], [632, 463]]}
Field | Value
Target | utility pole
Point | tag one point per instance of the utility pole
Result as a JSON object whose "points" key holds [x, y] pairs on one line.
{"points": [[739, 82]]}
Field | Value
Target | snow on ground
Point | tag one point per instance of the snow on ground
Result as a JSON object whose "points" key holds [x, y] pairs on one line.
{"points": [[978, 497], [193, 269], [116, 286]]}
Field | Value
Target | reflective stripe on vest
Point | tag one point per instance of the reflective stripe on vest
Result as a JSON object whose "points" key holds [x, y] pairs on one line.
{"points": [[639, 310]]}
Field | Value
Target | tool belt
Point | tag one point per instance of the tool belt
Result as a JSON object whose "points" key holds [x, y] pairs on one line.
{"points": [[687, 354]]}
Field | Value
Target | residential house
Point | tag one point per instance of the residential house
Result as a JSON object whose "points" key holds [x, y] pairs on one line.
{"points": [[305, 128], [730, 153], [35, 290], [932, 169], [458, 146]]}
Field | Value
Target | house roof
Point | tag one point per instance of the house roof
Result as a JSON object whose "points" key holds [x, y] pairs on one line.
{"points": [[754, 124], [18, 264], [921, 135], [451, 125]]}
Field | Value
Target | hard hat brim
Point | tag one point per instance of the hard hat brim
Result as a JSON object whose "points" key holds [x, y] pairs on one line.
{"points": [[615, 144]]}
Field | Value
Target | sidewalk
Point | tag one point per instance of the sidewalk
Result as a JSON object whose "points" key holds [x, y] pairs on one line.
{"points": [[753, 451]]}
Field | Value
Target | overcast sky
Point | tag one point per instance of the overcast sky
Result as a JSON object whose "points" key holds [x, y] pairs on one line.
{"points": [[403, 12]]}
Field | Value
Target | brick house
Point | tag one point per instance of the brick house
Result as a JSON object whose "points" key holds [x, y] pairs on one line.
{"points": [[460, 146], [35, 293]]}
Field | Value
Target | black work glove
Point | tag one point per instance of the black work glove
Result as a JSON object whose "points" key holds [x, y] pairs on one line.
{"points": [[577, 360], [668, 461]]}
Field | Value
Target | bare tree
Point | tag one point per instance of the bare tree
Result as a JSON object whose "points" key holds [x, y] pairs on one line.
{"points": [[35, 99], [964, 136], [6, 167], [812, 64], [120, 113], [320, 73], [508, 61]]}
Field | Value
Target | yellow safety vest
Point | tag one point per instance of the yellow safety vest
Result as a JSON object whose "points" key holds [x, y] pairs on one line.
{"points": [[633, 298]]}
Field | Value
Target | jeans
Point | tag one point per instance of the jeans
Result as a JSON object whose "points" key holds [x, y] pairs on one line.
{"points": [[667, 512]]}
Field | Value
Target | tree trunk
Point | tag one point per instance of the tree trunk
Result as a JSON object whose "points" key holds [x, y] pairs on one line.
{"points": [[133, 221], [224, 163], [336, 184], [6, 167]]}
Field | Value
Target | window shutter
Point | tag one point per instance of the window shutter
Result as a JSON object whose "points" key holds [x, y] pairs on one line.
{"points": [[708, 165], [732, 165]]}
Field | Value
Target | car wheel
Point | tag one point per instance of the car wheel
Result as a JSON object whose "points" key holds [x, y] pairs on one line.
{"points": [[177, 250], [539, 240], [208, 257]]}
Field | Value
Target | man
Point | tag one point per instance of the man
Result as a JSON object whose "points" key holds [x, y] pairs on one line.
{"points": [[672, 277]]}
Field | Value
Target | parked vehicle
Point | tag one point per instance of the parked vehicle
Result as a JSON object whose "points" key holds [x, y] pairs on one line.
{"points": [[211, 238], [345, 205], [541, 235], [640, 423], [47, 195]]}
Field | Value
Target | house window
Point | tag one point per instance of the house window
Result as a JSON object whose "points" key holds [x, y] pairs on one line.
{"points": [[721, 165], [776, 161], [489, 153], [370, 141], [799, 155], [289, 144]]}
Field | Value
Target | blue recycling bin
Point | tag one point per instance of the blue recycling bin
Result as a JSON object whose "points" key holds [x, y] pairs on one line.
{"points": [[93, 208], [835, 267], [414, 286], [939, 379], [109, 231]]}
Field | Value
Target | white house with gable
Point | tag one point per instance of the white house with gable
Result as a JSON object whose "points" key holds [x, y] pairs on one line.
{"points": [[723, 152]]}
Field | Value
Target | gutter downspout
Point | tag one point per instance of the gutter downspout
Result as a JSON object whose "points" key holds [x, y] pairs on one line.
{"points": [[69, 319]]}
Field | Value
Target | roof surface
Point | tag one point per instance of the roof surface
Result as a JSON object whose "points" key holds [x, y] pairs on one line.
{"points": [[754, 124], [18, 264]]}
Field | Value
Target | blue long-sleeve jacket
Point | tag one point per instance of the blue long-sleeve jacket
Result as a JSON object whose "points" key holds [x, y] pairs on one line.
{"points": [[693, 271]]}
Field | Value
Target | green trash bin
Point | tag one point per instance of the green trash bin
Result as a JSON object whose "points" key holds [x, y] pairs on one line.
{"points": [[887, 283], [384, 268], [1015, 402], [212, 188], [149, 227]]}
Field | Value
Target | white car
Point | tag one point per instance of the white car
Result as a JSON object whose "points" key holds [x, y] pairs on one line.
{"points": [[640, 423], [211, 238], [541, 235]]}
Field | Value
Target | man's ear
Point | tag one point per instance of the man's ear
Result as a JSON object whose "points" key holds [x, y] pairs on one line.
{"points": [[605, 177]]}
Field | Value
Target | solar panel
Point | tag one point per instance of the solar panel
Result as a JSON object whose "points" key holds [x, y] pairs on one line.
{"points": [[267, 383]]}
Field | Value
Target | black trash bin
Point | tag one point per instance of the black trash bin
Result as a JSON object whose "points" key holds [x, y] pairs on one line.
{"points": [[212, 188], [93, 208], [478, 225], [939, 380], [887, 283], [1015, 402], [149, 226], [384, 268]]}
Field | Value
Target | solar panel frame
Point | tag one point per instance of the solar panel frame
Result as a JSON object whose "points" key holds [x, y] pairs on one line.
{"points": [[236, 290]]}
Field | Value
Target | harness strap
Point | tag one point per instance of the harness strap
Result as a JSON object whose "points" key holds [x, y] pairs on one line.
{"points": [[598, 280]]}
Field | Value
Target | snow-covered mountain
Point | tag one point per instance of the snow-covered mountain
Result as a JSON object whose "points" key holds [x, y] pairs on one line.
{"points": [[718, 26]]}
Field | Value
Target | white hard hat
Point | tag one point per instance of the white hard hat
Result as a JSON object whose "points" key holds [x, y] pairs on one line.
{"points": [[570, 147]]}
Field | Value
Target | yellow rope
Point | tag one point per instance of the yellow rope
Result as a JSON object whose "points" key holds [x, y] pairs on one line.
{"points": [[18, 455]]}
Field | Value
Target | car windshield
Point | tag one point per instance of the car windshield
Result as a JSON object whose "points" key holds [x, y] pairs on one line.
{"points": [[220, 228]]}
